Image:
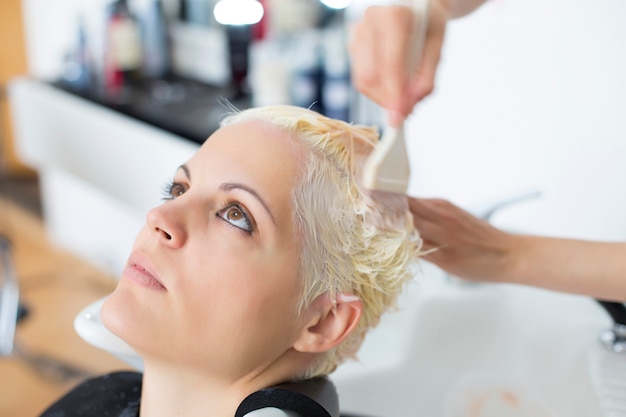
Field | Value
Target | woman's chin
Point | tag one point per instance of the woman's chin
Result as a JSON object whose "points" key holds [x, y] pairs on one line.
{"points": [[124, 315], [113, 316]]}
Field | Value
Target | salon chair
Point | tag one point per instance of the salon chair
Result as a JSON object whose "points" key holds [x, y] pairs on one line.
{"points": [[614, 338], [311, 398]]}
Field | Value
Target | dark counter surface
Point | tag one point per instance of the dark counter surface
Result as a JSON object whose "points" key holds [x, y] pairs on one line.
{"points": [[182, 106]]}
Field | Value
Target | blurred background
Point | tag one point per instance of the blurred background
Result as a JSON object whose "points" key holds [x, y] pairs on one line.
{"points": [[528, 96], [101, 100]]}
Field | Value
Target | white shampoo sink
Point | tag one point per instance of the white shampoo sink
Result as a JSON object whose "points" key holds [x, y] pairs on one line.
{"points": [[457, 349]]}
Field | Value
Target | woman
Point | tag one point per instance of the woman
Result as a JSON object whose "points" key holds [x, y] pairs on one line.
{"points": [[266, 263]]}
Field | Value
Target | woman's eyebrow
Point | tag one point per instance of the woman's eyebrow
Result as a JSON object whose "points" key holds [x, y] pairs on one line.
{"points": [[227, 186], [186, 171]]}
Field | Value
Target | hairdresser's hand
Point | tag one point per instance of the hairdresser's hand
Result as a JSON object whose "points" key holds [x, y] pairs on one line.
{"points": [[462, 244], [381, 52], [473, 249]]}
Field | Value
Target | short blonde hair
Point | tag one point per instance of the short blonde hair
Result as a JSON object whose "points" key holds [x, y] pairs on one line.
{"points": [[354, 241]]}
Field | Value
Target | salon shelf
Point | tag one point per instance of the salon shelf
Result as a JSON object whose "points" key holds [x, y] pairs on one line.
{"points": [[176, 104]]}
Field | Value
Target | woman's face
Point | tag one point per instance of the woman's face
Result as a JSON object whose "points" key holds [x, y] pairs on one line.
{"points": [[212, 281]]}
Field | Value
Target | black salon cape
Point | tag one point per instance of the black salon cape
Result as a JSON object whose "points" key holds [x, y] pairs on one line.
{"points": [[112, 395], [118, 395]]}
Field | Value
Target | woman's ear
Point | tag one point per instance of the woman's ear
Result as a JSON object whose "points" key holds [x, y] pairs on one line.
{"points": [[329, 325]]}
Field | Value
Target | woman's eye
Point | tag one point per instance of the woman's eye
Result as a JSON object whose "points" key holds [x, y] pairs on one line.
{"points": [[236, 216], [173, 190]]}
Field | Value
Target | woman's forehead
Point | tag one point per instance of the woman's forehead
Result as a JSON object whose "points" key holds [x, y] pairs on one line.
{"points": [[252, 130], [254, 154]]}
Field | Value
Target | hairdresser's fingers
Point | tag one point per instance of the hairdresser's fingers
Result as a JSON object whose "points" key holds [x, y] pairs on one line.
{"points": [[431, 209], [422, 83], [363, 49], [435, 255], [416, 207], [380, 48], [427, 247], [432, 234], [400, 57]]}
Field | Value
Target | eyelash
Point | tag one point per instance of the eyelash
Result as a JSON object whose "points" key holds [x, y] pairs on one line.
{"points": [[168, 190], [171, 186]]}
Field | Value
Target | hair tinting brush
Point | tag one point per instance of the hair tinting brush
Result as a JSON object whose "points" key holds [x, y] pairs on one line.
{"points": [[387, 168]]}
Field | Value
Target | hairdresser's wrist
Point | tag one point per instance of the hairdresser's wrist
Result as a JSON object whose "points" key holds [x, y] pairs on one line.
{"points": [[516, 259]]}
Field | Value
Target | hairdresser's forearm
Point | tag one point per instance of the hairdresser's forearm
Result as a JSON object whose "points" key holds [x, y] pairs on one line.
{"points": [[597, 269]]}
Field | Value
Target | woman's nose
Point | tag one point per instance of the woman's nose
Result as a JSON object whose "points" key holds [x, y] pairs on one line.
{"points": [[166, 224]]}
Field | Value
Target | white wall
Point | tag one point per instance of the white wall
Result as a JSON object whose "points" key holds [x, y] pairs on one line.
{"points": [[531, 94]]}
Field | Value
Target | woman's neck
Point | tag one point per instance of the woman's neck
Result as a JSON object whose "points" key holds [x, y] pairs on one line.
{"points": [[171, 390]]}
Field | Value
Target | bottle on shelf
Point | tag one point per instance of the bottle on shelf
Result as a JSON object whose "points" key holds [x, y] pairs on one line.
{"points": [[123, 52], [156, 44], [77, 66]]}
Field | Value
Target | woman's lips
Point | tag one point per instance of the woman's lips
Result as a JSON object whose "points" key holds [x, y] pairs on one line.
{"points": [[142, 274]]}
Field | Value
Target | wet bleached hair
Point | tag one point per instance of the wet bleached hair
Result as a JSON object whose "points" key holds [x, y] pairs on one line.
{"points": [[354, 241]]}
